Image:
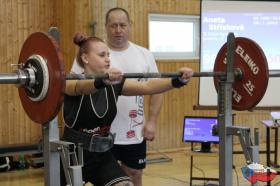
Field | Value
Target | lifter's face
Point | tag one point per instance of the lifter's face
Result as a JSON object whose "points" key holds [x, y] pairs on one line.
{"points": [[96, 60], [118, 30]]}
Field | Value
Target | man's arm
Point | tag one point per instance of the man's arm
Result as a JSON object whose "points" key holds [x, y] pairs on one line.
{"points": [[155, 104]]}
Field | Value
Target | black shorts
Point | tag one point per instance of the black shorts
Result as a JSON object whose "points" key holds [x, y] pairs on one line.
{"points": [[101, 169], [133, 156]]}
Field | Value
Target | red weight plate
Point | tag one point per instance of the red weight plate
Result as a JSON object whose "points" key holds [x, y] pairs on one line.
{"points": [[250, 58], [42, 44]]}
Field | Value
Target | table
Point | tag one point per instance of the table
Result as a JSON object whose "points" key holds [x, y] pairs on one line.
{"points": [[269, 125], [200, 154]]}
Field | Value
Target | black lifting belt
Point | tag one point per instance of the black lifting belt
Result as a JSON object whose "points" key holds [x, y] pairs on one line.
{"points": [[92, 143]]}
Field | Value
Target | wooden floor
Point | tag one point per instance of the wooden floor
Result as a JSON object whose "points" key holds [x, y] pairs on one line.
{"points": [[174, 173]]}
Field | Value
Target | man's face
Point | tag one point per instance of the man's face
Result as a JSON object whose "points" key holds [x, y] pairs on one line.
{"points": [[118, 29]]}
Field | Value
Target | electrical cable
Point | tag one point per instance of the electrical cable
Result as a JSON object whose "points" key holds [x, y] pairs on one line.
{"points": [[203, 173], [164, 177], [237, 177]]}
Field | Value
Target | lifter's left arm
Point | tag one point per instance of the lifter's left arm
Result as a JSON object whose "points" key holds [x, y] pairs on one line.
{"points": [[155, 104]]}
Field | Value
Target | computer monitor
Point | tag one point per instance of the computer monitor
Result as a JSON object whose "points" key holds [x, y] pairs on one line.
{"points": [[199, 129]]}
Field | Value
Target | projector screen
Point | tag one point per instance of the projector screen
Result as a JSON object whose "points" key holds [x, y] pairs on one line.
{"points": [[257, 20]]}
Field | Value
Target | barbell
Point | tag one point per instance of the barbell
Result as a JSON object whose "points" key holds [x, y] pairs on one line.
{"points": [[41, 77]]}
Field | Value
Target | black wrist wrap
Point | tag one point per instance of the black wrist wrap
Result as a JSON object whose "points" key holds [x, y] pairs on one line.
{"points": [[176, 83]]}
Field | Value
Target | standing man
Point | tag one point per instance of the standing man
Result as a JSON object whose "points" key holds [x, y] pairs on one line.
{"points": [[131, 128]]}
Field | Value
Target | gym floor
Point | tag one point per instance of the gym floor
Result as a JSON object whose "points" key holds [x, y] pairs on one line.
{"points": [[175, 173]]}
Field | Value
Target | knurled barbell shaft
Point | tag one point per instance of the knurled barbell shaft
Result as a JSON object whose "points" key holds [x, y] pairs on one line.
{"points": [[20, 77], [142, 75], [272, 73]]}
